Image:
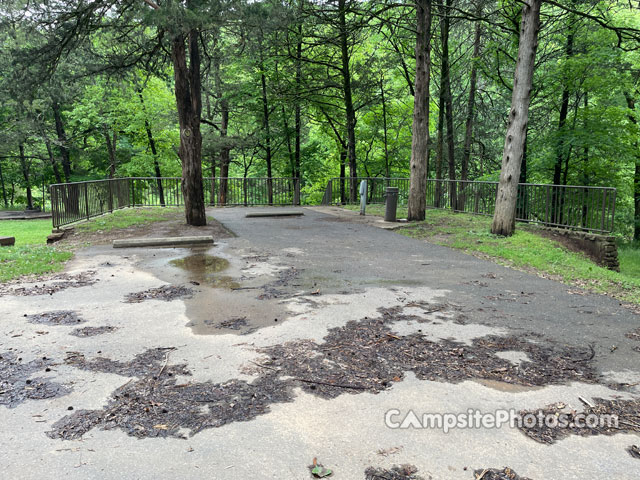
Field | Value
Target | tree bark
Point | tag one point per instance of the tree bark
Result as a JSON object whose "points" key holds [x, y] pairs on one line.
{"points": [[561, 153], [62, 142], [154, 151], [504, 215], [448, 103], [387, 166], [420, 129], [111, 149], [471, 103], [4, 190], [440, 143], [631, 104], [348, 101], [267, 129], [189, 104], [25, 173], [52, 160], [297, 173]]}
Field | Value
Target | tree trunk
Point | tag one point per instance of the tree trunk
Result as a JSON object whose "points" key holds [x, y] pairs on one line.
{"points": [[154, 152], [471, 103], [636, 176], [440, 144], [448, 103], [25, 173], [52, 160], [504, 215], [267, 129], [348, 102], [420, 130], [189, 103], [224, 153], [111, 149], [62, 142], [387, 167], [4, 191], [561, 153], [297, 173]]}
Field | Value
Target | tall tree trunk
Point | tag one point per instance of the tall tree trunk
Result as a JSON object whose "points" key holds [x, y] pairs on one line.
{"points": [[297, 173], [52, 160], [420, 130], [267, 129], [224, 153], [154, 151], [25, 174], [440, 143], [561, 151], [348, 101], [189, 103], [287, 134], [387, 166], [343, 173], [471, 104], [504, 216], [448, 103], [4, 190], [636, 176], [62, 142], [111, 149]]}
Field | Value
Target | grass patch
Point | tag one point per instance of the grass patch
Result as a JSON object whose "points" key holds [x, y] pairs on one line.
{"points": [[27, 232], [128, 217], [31, 260], [378, 210], [528, 251], [32, 256]]}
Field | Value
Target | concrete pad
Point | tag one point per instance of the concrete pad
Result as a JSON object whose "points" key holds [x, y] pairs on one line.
{"points": [[163, 242], [275, 213]]}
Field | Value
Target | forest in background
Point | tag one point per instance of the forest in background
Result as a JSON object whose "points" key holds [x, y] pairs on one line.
{"points": [[315, 90]]}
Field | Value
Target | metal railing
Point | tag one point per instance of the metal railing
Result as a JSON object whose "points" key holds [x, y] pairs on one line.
{"points": [[566, 206], [73, 202]]}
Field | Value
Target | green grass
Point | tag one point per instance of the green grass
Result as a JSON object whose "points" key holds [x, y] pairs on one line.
{"points": [[375, 209], [31, 260], [528, 251], [629, 257], [27, 232], [32, 256], [127, 218]]}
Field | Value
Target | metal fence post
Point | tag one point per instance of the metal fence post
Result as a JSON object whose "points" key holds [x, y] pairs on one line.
{"points": [[296, 191], [86, 199]]}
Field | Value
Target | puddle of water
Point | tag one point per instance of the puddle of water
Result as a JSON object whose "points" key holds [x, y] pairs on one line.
{"points": [[216, 305], [203, 269], [201, 263], [505, 387]]}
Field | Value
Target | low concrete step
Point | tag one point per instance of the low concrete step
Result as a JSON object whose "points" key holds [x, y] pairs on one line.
{"points": [[163, 241], [275, 213]]}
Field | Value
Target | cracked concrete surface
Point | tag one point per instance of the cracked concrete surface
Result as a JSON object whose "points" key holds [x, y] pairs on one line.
{"points": [[343, 272]]}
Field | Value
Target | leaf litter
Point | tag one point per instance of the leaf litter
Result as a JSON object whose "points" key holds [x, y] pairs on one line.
{"points": [[17, 384], [54, 284], [360, 356], [166, 293]]}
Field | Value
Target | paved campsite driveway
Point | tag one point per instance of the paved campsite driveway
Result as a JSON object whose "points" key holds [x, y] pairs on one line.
{"points": [[291, 341]]}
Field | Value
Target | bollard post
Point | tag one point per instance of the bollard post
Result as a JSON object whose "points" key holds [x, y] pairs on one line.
{"points": [[363, 196], [391, 204]]}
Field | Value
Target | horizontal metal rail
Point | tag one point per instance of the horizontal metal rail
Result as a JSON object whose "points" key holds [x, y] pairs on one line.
{"points": [[73, 202], [564, 206]]}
